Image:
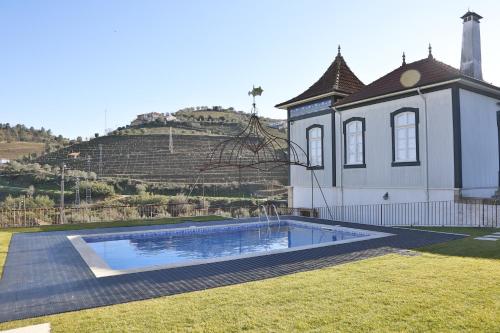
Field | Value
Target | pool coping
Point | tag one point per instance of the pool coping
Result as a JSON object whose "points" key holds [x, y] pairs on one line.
{"points": [[100, 268]]}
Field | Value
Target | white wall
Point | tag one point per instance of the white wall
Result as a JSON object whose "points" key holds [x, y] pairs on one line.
{"points": [[479, 144], [403, 183], [302, 196], [408, 183], [299, 175]]}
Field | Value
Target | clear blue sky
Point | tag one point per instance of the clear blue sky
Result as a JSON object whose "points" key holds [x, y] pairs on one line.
{"points": [[62, 63]]}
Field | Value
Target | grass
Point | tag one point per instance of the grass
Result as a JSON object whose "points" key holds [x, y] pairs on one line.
{"points": [[18, 149], [387, 294], [4, 248], [393, 293], [468, 247]]}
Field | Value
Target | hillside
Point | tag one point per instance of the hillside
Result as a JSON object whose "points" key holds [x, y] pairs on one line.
{"points": [[148, 157], [226, 122], [20, 141], [144, 153], [17, 149]]}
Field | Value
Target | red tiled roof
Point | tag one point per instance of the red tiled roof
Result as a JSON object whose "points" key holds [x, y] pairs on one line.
{"points": [[431, 71], [337, 78]]}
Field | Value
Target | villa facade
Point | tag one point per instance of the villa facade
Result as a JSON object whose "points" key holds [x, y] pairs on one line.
{"points": [[424, 132]]}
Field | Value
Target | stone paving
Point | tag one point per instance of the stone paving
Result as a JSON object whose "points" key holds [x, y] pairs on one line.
{"points": [[44, 274], [493, 237]]}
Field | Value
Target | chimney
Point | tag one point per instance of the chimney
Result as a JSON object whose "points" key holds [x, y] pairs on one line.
{"points": [[470, 64]]}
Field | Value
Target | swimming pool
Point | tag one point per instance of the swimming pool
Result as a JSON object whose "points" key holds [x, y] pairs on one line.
{"points": [[128, 252]]}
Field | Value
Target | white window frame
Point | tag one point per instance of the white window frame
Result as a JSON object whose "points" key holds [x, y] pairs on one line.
{"points": [[405, 137], [314, 135], [354, 143]]}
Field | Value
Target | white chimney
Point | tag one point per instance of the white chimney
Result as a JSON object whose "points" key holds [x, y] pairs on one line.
{"points": [[470, 64]]}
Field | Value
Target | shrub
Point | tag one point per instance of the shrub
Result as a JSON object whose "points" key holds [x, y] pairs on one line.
{"points": [[141, 189], [30, 191], [147, 199], [98, 189], [39, 201], [178, 205], [178, 199], [241, 212], [76, 174]]}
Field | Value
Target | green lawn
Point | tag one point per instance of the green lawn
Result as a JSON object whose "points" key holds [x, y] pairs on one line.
{"points": [[469, 246], [429, 292], [4, 247]]}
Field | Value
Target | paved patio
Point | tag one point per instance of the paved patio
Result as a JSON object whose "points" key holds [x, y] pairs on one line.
{"points": [[44, 274]]}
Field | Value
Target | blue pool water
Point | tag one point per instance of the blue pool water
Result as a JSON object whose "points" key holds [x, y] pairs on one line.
{"points": [[129, 251]]}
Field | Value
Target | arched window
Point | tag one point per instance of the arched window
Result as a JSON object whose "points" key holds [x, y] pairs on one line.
{"points": [[314, 136], [354, 143], [404, 124]]}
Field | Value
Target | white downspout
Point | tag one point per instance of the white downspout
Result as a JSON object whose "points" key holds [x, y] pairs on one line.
{"points": [[426, 151], [341, 159]]}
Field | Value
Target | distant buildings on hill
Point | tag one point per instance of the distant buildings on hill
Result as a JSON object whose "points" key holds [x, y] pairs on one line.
{"points": [[279, 124], [153, 117], [191, 114], [206, 108]]}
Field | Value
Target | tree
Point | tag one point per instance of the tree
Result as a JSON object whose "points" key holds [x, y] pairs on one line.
{"points": [[79, 139], [141, 189], [31, 191]]}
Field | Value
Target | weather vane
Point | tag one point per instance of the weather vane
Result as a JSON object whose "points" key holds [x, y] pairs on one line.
{"points": [[255, 147], [255, 92]]}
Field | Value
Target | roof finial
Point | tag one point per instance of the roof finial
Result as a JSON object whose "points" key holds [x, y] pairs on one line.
{"points": [[338, 54], [430, 51], [404, 59]]}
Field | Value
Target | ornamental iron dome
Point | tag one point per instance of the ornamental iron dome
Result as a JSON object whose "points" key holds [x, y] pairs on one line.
{"points": [[255, 147]]}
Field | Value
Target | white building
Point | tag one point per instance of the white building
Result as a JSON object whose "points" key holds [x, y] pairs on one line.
{"points": [[170, 117], [147, 118], [423, 132]]}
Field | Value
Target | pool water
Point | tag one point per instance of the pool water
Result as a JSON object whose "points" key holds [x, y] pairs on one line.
{"points": [[136, 250]]}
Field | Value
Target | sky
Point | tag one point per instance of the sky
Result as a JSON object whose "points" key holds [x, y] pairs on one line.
{"points": [[63, 63]]}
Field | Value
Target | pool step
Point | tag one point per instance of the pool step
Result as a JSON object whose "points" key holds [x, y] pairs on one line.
{"points": [[487, 238]]}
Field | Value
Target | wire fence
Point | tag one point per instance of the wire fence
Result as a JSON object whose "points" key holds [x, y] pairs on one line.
{"points": [[469, 213], [88, 214]]}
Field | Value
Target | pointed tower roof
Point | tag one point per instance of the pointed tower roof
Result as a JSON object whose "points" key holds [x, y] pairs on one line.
{"points": [[475, 16], [338, 78]]}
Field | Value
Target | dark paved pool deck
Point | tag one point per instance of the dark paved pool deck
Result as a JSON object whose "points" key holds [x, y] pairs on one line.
{"points": [[44, 274]]}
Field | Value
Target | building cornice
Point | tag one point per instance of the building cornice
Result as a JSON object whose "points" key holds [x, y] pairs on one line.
{"points": [[486, 88], [311, 99], [397, 93]]}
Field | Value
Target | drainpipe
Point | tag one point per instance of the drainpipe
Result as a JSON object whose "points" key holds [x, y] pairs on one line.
{"points": [[424, 99], [341, 160]]}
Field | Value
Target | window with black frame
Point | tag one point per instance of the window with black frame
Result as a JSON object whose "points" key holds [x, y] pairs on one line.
{"points": [[314, 135], [354, 143], [405, 150]]}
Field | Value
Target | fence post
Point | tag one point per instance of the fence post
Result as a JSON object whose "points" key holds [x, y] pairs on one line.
{"points": [[482, 204]]}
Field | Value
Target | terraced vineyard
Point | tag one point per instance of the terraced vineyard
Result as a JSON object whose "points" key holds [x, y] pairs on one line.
{"points": [[148, 157]]}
